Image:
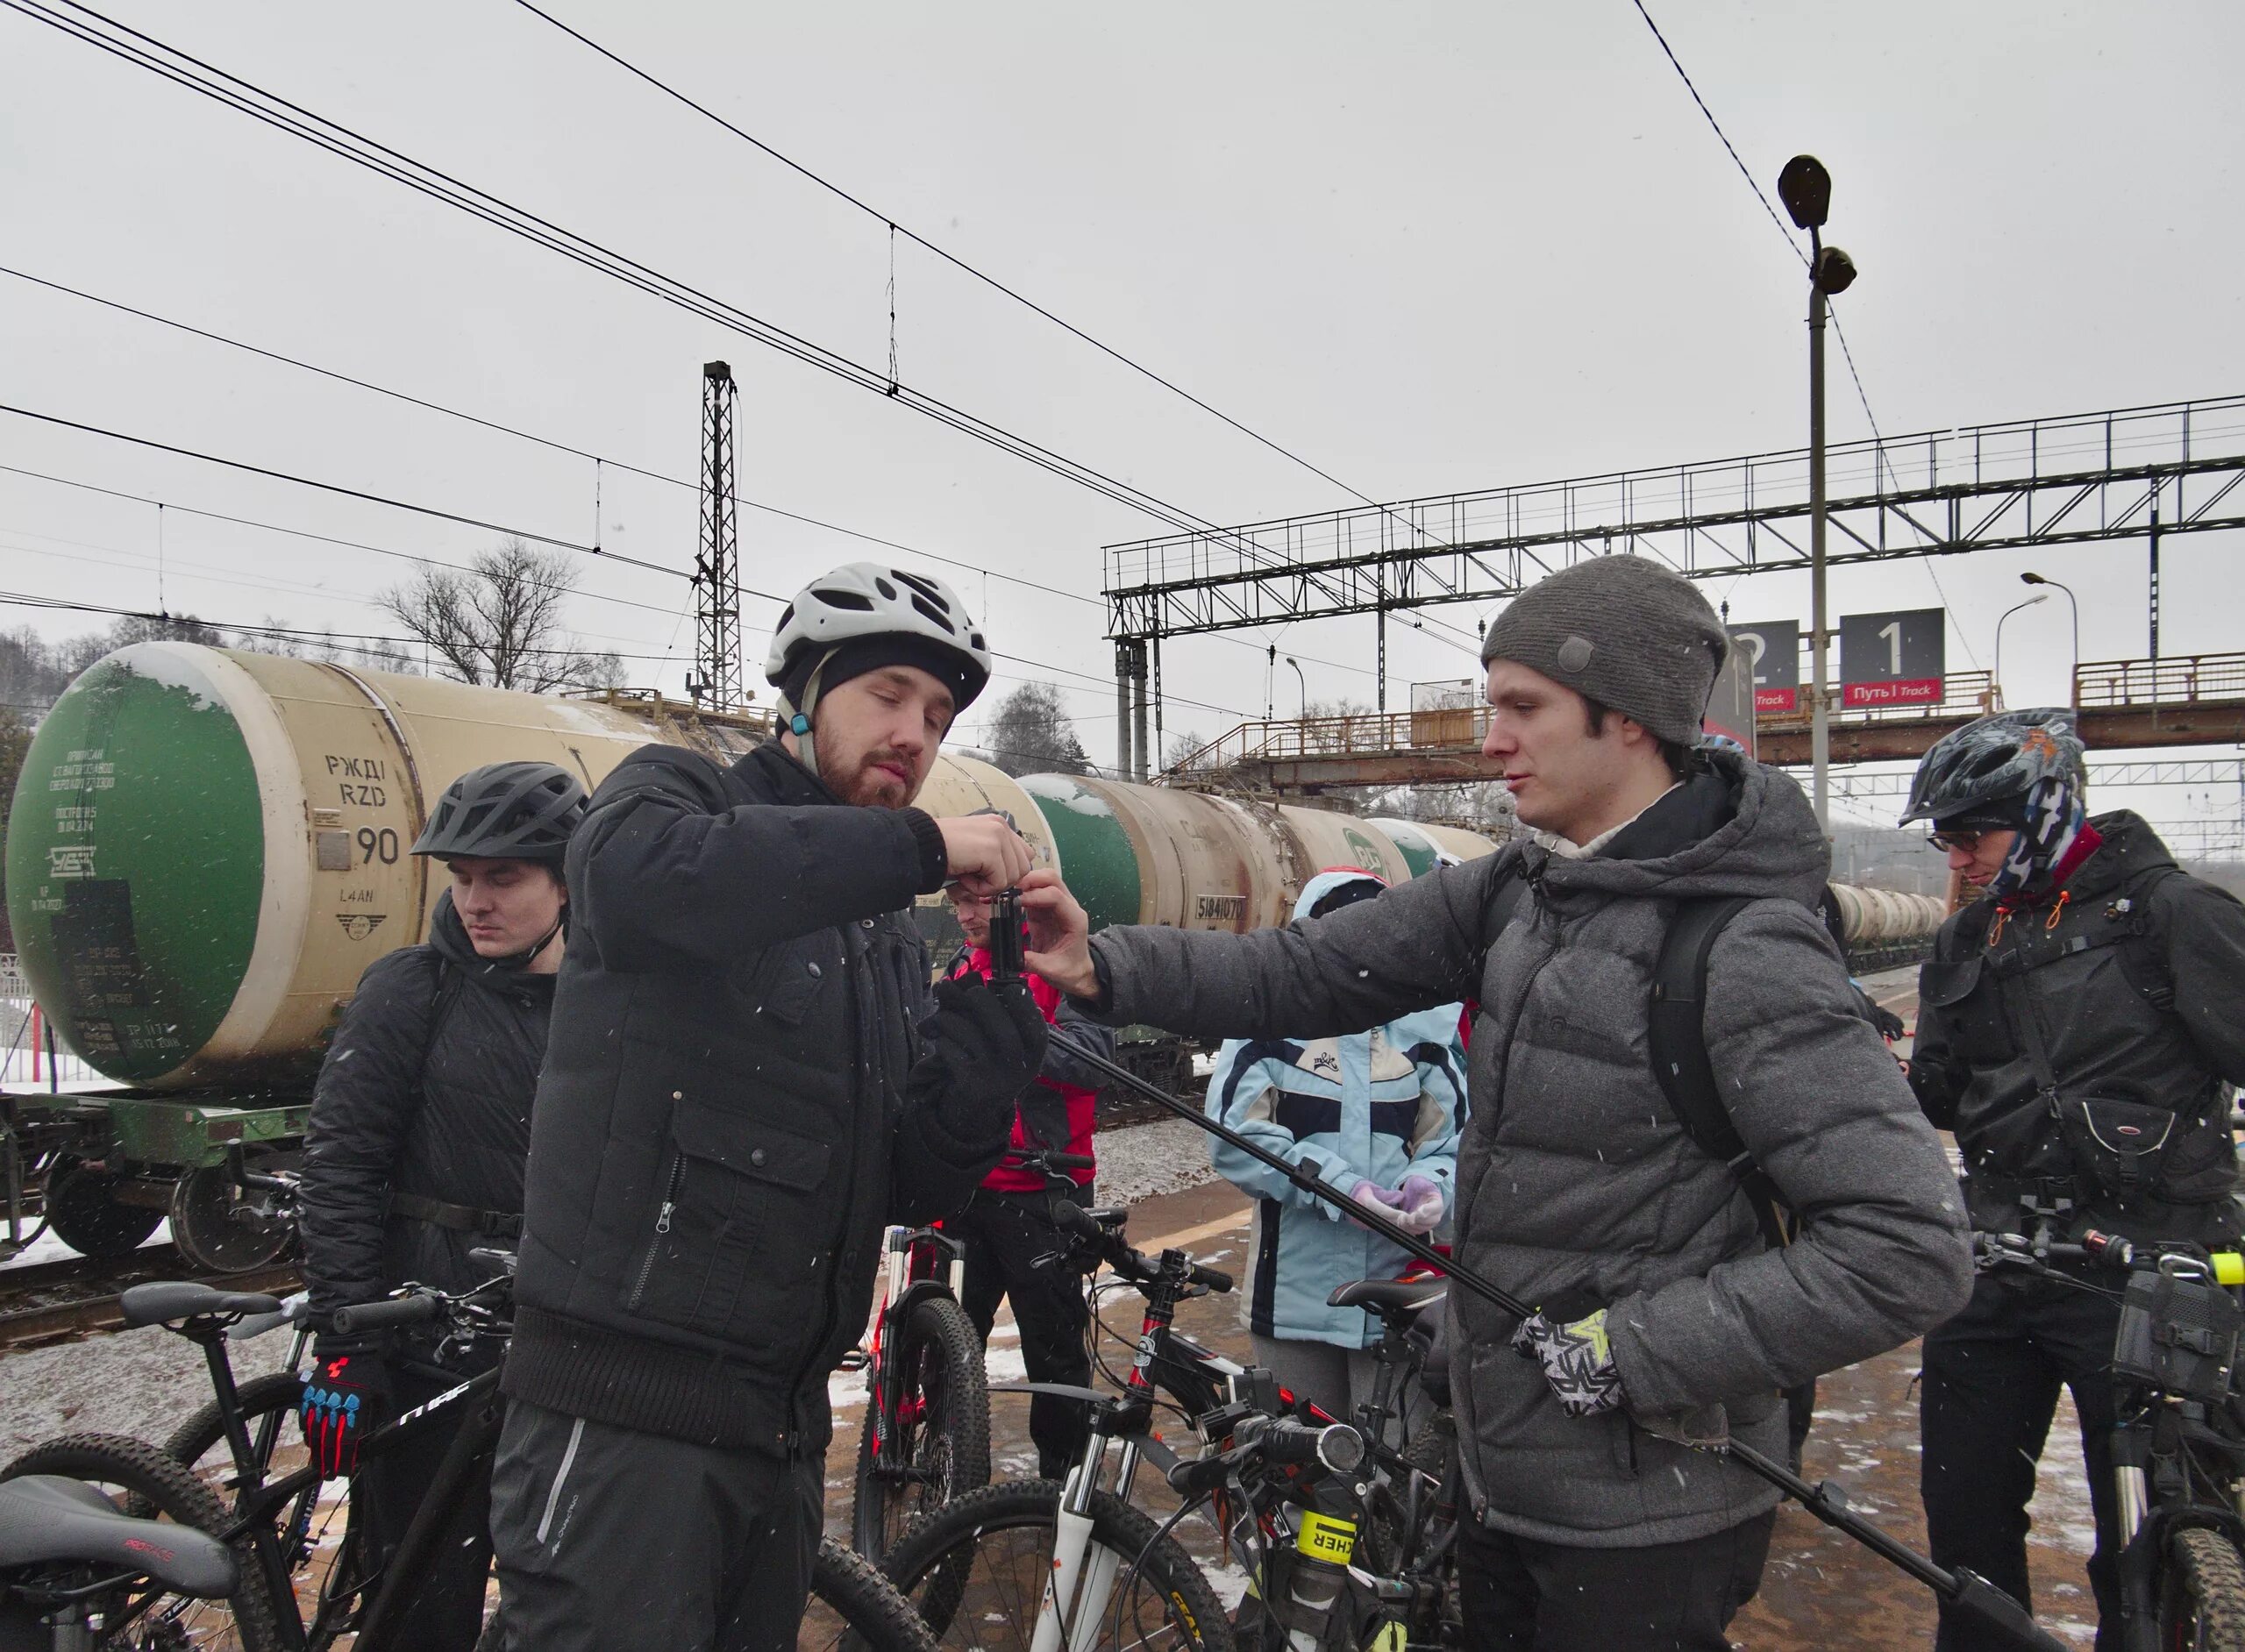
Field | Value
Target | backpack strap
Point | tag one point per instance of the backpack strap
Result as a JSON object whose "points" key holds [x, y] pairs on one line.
{"points": [[1677, 1038], [1504, 900], [451, 983]]}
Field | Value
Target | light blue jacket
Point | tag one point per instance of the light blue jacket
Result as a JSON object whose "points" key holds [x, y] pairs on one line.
{"points": [[1377, 1106]]}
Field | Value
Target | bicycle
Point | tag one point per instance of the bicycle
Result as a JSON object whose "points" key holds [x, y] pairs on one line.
{"points": [[77, 1572], [2178, 1437], [279, 1520]]}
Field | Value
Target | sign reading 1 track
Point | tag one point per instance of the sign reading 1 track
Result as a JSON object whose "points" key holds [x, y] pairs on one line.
{"points": [[1892, 660], [1775, 649]]}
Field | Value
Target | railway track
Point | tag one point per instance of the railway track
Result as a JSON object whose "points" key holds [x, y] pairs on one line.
{"points": [[64, 1301]]}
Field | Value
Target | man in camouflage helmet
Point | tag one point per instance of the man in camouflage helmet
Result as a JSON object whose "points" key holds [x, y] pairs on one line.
{"points": [[2091, 994]]}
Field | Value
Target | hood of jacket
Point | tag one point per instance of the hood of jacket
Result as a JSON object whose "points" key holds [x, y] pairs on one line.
{"points": [[1735, 827], [1326, 881]]}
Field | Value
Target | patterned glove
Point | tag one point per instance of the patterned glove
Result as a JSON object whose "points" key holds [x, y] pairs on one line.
{"points": [[1577, 1362], [1422, 1204], [345, 1390]]}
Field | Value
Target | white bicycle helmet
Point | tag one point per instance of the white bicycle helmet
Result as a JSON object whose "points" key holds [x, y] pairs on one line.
{"points": [[861, 600]]}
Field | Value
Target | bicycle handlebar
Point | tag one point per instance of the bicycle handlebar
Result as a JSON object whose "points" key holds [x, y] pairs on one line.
{"points": [[1029, 1158], [1271, 1443], [376, 1316], [1113, 1250]]}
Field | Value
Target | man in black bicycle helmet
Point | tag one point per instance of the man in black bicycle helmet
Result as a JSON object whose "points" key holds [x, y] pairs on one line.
{"points": [[420, 1124], [2090, 998]]}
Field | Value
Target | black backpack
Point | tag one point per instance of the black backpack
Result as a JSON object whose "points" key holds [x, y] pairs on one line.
{"points": [[1677, 1033]]}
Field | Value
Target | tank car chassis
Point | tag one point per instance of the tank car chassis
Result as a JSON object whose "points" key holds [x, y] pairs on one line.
{"points": [[101, 1168]]}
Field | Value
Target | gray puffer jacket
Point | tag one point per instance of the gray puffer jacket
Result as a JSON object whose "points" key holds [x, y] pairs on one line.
{"points": [[1576, 1179]]}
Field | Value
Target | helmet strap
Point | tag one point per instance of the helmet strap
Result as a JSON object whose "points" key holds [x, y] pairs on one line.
{"points": [[799, 720]]}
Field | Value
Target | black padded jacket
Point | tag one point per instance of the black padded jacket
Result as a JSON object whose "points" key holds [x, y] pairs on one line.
{"points": [[729, 1113], [2135, 986], [425, 1091]]}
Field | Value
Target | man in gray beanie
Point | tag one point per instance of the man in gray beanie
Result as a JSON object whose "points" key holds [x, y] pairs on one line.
{"points": [[1665, 1316]]}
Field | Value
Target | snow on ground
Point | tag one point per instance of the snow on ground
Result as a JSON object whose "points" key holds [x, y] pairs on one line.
{"points": [[140, 1383], [1143, 1160], [48, 1248]]}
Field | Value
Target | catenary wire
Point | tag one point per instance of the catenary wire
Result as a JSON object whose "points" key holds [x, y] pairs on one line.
{"points": [[380, 158], [960, 264], [575, 452], [1846, 355]]}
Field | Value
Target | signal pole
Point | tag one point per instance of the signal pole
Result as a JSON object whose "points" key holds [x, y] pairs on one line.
{"points": [[717, 680]]}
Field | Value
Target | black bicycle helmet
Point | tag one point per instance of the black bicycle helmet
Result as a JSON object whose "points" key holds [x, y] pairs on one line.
{"points": [[505, 811], [1984, 770]]}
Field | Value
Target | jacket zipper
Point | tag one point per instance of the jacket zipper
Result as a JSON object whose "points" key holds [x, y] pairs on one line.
{"points": [[662, 1226], [860, 972]]}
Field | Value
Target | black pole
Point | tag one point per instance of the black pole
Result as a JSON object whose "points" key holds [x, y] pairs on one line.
{"points": [[1965, 1591]]}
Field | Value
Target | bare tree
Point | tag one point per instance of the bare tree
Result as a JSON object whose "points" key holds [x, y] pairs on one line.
{"points": [[500, 623], [1031, 733]]}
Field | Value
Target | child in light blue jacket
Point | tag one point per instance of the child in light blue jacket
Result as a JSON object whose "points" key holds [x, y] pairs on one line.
{"points": [[1377, 1113]]}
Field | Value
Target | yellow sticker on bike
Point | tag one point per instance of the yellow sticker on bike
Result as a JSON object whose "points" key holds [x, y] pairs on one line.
{"points": [[1326, 1537]]}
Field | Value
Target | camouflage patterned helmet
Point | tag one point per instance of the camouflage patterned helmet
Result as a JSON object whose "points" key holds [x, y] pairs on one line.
{"points": [[1995, 761]]}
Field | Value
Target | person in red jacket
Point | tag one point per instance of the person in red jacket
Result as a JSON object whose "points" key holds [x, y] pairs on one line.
{"points": [[1012, 1246]]}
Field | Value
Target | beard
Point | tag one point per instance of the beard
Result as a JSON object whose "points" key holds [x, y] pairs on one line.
{"points": [[864, 786]]}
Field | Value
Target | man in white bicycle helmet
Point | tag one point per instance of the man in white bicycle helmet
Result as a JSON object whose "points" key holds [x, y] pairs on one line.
{"points": [[748, 1078]]}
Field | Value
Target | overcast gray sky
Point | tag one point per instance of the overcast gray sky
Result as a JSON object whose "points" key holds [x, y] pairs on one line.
{"points": [[1430, 247]]}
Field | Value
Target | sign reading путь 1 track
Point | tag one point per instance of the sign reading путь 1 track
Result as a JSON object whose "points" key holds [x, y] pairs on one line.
{"points": [[1775, 649], [1892, 659]]}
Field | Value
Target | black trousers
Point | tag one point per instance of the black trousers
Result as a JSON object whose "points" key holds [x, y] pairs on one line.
{"points": [[1991, 1381], [1005, 1235], [446, 1610], [1522, 1595], [610, 1540]]}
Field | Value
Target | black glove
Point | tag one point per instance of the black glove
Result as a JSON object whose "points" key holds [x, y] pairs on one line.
{"points": [[346, 1390], [985, 1045]]}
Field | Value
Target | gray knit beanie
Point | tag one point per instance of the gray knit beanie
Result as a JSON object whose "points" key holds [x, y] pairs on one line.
{"points": [[1624, 632]]}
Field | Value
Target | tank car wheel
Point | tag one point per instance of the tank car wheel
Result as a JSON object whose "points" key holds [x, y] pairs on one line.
{"points": [[84, 1214], [216, 1229]]}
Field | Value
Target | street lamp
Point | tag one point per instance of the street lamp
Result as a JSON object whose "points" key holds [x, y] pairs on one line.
{"points": [[1805, 188], [2039, 596], [2035, 579], [1304, 681]]}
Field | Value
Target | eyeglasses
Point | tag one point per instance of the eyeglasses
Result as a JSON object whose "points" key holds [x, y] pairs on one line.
{"points": [[1951, 843]]}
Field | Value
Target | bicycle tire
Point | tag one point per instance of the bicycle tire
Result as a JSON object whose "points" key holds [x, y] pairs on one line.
{"points": [[2202, 1594], [853, 1606], [149, 1475], [946, 1444], [975, 1570], [313, 1525]]}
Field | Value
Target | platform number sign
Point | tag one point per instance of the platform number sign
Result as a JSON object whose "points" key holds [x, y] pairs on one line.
{"points": [[1892, 660], [1774, 649]]}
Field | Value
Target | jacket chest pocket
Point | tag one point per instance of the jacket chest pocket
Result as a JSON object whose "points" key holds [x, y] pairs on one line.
{"points": [[787, 982], [737, 1210], [1970, 997]]}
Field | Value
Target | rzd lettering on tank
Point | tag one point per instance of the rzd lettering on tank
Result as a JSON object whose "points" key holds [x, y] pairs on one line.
{"points": [[359, 779]]}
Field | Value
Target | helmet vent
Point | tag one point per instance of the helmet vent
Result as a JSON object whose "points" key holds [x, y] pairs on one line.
{"points": [[887, 591], [925, 588], [935, 614], [854, 600]]}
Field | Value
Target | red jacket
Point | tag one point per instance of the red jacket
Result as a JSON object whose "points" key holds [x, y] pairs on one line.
{"points": [[1052, 1114]]}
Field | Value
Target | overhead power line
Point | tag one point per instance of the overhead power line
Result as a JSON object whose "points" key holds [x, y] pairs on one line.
{"points": [[542, 441], [144, 51], [184, 69], [960, 264], [429, 510], [1794, 247]]}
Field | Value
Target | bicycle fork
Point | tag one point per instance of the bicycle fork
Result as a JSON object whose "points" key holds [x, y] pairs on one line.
{"points": [[1080, 1584]]}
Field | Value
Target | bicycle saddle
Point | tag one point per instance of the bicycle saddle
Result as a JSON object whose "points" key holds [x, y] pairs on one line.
{"points": [[45, 1517], [1388, 1297], [156, 1303]]}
